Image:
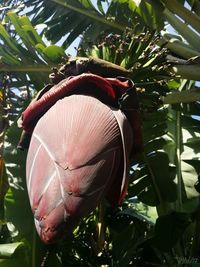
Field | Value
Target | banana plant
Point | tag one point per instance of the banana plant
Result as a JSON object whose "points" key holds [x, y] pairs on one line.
{"points": [[164, 178]]}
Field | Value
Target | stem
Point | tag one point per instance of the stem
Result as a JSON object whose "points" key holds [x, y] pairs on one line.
{"points": [[178, 161], [101, 227], [92, 15], [178, 154], [26, 68]]}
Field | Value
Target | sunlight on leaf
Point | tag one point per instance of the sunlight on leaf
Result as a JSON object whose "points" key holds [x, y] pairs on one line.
{"points": [[190, 177], [8, 250], [137, 2]]}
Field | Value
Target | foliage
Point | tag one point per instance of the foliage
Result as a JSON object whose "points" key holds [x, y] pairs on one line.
{"points": [[158, 222]]}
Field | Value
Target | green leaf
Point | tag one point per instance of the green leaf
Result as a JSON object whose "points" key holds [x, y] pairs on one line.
{"points": [[141, 214], [161, 176], [6, 37], [148, 197], [24, 20], [86, 3], [100, 6], [13, 262], [169, 229], [149, 13], [156, 144], [54, 53], [15, 165], [190, 178], [16, 22], [139, 186], [173, 84], [8, 57], [122, 244], [154, 132], [9, 250], [14, 254], [34, 37]]}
